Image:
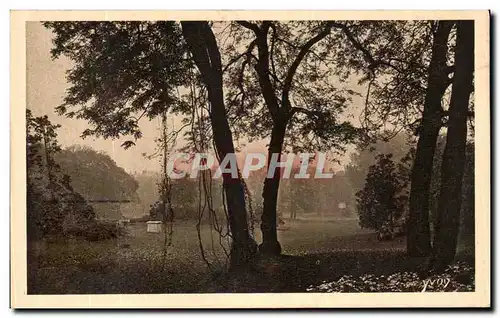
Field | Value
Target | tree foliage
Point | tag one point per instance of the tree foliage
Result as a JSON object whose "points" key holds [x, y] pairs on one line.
{"points": [[382, 200], [53, 205], [289, 81], [96, 175], [286, 67], [122, 71]]}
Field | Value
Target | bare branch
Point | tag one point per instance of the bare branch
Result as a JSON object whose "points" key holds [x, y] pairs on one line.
{"points": [[298, 59], [249, 25], [247, 53], [373, 63]]}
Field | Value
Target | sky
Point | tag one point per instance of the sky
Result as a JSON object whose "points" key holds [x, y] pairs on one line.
{"points": [[46, 85]]}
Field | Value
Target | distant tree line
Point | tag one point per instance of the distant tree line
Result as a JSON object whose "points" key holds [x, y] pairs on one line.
{"points": [[63, 185]]}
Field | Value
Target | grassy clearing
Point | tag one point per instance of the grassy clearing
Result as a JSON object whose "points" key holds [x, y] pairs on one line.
{"points": [[314, 251]]}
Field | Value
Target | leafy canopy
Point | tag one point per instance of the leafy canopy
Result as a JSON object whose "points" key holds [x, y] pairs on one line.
{"points": [[51, 199], [122, 71], [381, 200]]}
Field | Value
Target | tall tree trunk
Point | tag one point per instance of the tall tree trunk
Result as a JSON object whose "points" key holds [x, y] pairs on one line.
{"points": [[203, 46], [418, 242], [281, 113], [452, 168], [270, 244]]}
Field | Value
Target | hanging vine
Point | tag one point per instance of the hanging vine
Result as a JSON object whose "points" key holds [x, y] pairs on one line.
{"points": [[165, 143], [166, 197], [202, 142], [214, 247]]}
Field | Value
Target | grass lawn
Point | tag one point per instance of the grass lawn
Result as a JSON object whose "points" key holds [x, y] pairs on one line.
{"points": [[313, 251]]}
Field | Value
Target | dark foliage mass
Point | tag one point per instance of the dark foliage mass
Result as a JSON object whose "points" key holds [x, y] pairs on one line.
{"points": [[63, 186], [53, 204], [383, 198], [96, 176], [123, 70]]}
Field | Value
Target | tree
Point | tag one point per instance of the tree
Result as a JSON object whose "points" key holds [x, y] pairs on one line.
{"points": [[418, 242], [467, 210], [468, 194], [452, 170], [96, 175], [124, 71], [52, 203], [44, 213], [294, 87], [403, 62], [381, 200], [203, 46], [109, 58]]}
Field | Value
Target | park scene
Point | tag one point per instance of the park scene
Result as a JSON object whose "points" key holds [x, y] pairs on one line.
{"points": [[250, 156]]}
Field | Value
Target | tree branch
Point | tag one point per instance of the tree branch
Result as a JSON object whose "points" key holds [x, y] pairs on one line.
{"points": [[263, 73], [314, 114], [192, 33], [247, 53], [298, 59], [373, 63], [265, 26], [249, 25]]}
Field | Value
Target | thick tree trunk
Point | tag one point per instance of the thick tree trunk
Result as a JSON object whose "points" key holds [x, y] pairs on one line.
{"points": [[203, 46], [418, 242], [452, 168], [279, 111], [270, 244]]}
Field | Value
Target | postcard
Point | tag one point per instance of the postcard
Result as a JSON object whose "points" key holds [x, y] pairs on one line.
{"points": [[250, 159]]}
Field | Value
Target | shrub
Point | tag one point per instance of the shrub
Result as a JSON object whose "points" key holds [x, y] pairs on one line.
{"points": [[382, 201], [52, 203]]}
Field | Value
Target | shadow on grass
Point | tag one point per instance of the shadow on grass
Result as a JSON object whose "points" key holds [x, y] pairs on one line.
{"points": [[296, 273], [101, 273]]}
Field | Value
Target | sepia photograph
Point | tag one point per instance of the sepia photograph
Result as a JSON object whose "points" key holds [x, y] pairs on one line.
{"points": [[250, 159]]}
